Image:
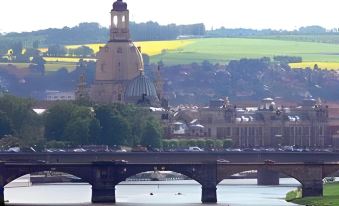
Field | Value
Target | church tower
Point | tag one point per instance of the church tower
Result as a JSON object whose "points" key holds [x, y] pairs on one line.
{"points": [[118, 62], [119, 22]]}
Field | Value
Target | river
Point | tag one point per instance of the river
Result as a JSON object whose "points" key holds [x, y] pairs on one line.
{"points": [[230, 193]]}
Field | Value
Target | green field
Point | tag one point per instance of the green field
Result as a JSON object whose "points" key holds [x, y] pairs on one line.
{"points": [[331, 197], [222, 50]]}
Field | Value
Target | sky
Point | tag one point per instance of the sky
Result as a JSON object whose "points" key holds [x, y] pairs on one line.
{"points": [[24, 15]]}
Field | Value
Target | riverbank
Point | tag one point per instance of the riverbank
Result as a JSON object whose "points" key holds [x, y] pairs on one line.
{"points": [[330, 198]]}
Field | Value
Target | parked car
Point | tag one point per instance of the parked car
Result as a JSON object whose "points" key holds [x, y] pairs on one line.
{"points": [[79, 150], [223, 161], [14, 149], [139, 148], [269, 162], [120, 161], [195, 149]]}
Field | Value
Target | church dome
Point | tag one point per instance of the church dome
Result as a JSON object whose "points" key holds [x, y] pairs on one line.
{"points": [[119, 6], [141, 90]]}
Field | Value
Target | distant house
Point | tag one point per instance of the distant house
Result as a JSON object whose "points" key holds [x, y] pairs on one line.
{"points": [[59, 96]]}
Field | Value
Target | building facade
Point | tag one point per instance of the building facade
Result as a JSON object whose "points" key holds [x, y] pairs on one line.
{"points": [[266, 125]]}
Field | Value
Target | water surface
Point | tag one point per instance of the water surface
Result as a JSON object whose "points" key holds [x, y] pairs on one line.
{"points": [[230, 193]]}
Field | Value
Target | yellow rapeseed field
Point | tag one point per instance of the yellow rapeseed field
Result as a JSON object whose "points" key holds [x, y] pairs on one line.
{"points": [[322, 65], [150, 48], [153, 48], [67, 59]]}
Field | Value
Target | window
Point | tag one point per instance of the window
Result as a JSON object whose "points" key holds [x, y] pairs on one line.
{"points": [[236, 131], [321, 131], [259, 131], [228, 131], [292, 131], [299, 132], [102, 67], [252, 131], [115, 21], [306, 131]]}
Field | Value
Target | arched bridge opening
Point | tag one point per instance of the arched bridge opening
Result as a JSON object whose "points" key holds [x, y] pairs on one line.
{"points": [[10, 172], [108, 177], [158, 185], [26, 188]]}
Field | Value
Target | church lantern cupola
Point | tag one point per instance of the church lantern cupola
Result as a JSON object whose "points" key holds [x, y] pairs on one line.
{"points": [[119, 22]]}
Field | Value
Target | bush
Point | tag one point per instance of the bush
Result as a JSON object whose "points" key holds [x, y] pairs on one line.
{"points": [[227, 143], [201, 143]]}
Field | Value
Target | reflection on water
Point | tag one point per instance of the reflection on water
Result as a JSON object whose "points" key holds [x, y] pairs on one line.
{"points": [[230, 192]]}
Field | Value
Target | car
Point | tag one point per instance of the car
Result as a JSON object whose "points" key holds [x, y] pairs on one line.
{"points": [[236, 150], [14, 149], [121, 150], [120, 161], [269, 162], [223, 161], [79, 150], [195, 149], [139, 148]]}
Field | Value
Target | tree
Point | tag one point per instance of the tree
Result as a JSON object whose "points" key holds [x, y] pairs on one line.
{"points": [[83, 51], [18, 119], [72, 123], [10, 141], [115, 130], [56, 50], [121, 132], [29, 52], [35, 44], [152, 135], [77, 131], [227, 143], [39, 64], [146, 59], [5, 125], [17, 48], [19, 112], [56, 119]]}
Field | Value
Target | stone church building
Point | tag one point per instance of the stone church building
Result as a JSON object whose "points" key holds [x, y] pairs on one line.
{"points": [[119, 73]]}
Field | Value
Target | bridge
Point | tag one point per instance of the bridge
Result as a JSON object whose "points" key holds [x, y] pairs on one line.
{"points": [[103, 173]]}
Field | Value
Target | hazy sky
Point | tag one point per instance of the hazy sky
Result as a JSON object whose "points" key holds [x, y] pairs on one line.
{"points": [[24, 15]]}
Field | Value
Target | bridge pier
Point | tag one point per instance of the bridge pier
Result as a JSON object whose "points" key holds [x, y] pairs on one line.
{"points": [[312, 188], [267, 177], [209, 194], [103, 194]]}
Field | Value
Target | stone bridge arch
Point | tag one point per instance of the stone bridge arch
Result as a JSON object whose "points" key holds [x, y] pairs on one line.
{"points": [[192, 171], [227, 170], [11, 173], [108, 175], [330, 169], [310, 176]]}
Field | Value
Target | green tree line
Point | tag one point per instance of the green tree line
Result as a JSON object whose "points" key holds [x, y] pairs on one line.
{"points": [[86, 33], [72, 124]]}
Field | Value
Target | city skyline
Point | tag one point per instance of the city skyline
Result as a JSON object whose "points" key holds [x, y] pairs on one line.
{"points": [[261, 14]]}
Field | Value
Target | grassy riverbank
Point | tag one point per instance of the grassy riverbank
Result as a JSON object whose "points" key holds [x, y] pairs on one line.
{"points": [[330, 198]]}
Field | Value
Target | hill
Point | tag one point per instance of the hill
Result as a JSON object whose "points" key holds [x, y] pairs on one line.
{"points": [[223, 50]]}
